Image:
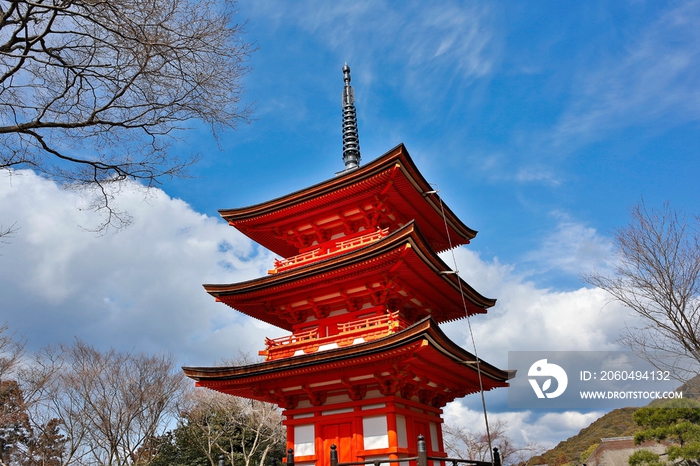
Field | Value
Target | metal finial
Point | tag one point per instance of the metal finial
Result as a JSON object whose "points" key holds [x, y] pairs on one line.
{"points": [[346, 74], [351, 139]]}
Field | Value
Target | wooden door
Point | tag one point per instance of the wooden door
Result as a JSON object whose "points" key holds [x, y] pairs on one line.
{"points": [[339, 435], [420, 428]]}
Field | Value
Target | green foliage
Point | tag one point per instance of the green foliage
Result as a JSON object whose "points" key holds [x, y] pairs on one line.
{"points": [[644, 458], [588, 452], [670, 412], [20, 441], [221, 425], [675, 421], [176, 449], [48, 446], [15, 430], [689, 451]]}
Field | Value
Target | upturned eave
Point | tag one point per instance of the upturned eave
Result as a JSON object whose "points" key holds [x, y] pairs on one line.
{"points": [[249, 296], [258, 221], [421, 347]]}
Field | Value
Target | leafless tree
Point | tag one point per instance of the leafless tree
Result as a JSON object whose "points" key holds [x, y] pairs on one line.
{"points": [[240, 429], [53, 399], [261, 430], [657, 276], [461, 442], [76, 405], [201, 410], [11, 351], [92, 92], [110, 403]]}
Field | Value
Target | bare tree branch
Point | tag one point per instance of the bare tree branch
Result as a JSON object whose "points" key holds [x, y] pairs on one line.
{"points": [[93, 91], [244, 431], [110, 404], [465, 443], [7, 233], [657, 276], [11, 352]]}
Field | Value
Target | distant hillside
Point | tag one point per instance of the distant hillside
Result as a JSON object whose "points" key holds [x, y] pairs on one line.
{"points": [[616, 423], [691, 389]]}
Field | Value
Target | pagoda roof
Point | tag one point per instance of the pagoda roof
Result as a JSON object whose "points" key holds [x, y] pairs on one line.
{"points": [[401, 264], [391, 183], [420, 357]]}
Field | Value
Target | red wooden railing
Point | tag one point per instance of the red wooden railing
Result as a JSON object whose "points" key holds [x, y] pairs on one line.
{"points": [[293, 338], [368, 328], [328, 249], [389, 320], [361, 240]]}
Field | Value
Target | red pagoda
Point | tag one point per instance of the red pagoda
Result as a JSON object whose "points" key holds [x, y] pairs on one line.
{"points": [[361, 290]]}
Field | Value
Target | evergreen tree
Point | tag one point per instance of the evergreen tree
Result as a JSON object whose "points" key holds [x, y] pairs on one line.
{"points": [[246, 433], [676, 422], [15, 430], [43, 445]]}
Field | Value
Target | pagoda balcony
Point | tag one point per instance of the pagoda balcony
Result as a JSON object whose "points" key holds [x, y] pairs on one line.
{"points": [[328, 249], [366, 329]]}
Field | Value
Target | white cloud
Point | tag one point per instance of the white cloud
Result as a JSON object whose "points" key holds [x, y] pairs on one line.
{"points": [[529, 318], [537, 175], [137, 288], [524, 427], [573, 248], [140, 289]]}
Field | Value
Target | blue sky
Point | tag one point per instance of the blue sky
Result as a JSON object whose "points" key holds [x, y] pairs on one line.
{"points": [[527, 116], [540, 122]]}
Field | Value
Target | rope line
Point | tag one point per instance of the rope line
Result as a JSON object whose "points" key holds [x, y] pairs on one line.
{"points": [[469, 324]]}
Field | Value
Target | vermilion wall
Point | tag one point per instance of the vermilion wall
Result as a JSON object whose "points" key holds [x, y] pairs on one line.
{"points": [[375, 427]]}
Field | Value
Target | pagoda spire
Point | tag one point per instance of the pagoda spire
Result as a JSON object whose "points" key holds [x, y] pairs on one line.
{"points": [[351, 139]]}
